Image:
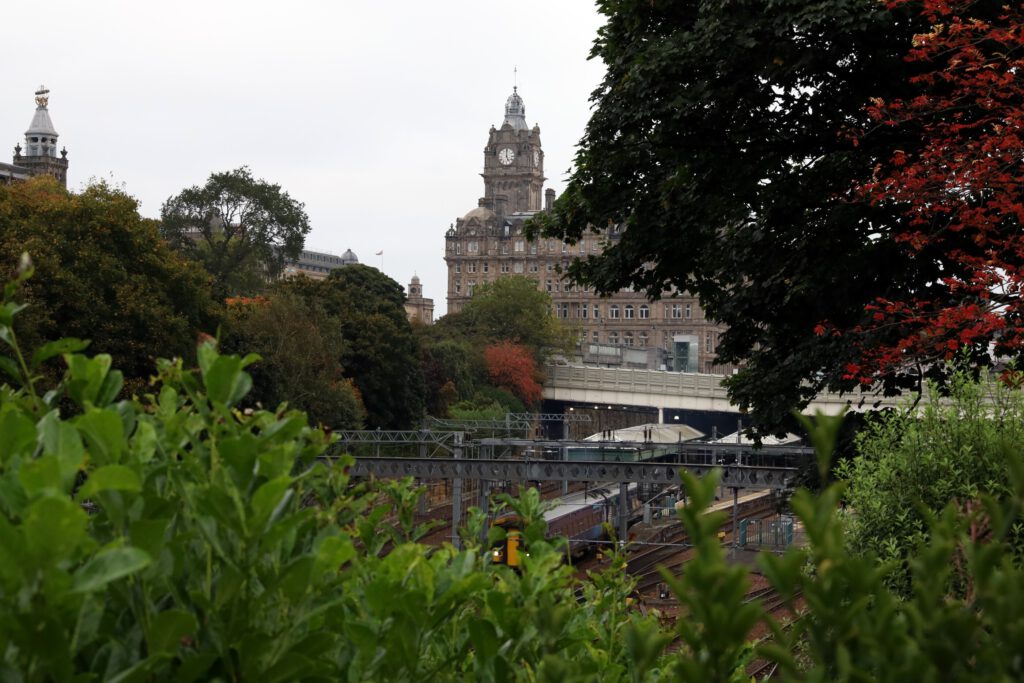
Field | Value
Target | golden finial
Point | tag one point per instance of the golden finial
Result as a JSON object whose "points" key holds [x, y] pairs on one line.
{"points": [[42, 96]]}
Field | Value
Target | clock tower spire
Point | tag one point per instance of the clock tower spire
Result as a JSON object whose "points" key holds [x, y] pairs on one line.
{"points": [[514, 162]]}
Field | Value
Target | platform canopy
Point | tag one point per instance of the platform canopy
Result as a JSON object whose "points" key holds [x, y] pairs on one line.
{"points": [[651, 432]]}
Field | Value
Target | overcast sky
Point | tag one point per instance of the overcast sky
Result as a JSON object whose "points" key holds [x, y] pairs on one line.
{"points": [[374, 114]]}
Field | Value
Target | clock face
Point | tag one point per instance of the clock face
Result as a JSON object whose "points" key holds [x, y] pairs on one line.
{"points": [[506, 156], [536, 157]]}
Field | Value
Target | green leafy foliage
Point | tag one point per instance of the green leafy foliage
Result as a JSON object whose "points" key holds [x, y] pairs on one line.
{"points": [[952, 450], [380, 353], [176, 537], [508, 317], [719, 142], [300, 349], [512, 309], [103, 274], [240, 228]]}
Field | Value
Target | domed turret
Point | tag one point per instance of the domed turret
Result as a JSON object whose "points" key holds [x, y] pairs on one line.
{"points": [[480, 214], [41, 138], [515, 111], [40, 157], [349, 257]]}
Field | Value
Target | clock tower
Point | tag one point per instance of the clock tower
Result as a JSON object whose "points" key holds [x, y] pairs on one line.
{"points": [[514, 162]]}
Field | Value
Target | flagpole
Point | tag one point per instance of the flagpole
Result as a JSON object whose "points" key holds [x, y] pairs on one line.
{"points": [[381, 254]]}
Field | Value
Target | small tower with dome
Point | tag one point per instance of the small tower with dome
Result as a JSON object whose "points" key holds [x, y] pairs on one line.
{"points": [[418, 308], [40, 155]]}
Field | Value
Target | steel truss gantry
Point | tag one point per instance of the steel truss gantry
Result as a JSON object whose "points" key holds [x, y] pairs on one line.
{"points": [[739, 476]]}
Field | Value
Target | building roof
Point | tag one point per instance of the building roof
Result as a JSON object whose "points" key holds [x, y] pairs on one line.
{"points": [[659, 433], [480, 213], [41, 123], [515, 111], [12, 171], [743, 439]]}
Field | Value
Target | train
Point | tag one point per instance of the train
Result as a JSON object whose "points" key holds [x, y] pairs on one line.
{"points": [[581, 517]]}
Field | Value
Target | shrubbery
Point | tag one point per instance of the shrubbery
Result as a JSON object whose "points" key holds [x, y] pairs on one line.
{"points": [[176, 537]]}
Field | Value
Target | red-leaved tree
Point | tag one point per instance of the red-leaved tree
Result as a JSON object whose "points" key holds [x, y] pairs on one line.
{"points": [[512, 367], [960, 188]]}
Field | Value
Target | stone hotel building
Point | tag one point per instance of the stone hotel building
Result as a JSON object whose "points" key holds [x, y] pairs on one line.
{"points": [[622, 330]]}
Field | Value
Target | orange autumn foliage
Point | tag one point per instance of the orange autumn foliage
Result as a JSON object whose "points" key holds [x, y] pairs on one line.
{"points": [[511, 367]]}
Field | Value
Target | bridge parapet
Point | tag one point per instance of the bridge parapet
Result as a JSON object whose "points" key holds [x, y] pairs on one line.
{"points": [[672, 390]]}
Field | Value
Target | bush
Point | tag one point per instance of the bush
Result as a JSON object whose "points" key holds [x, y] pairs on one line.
{"points": [[176, 537], [912, 464]]}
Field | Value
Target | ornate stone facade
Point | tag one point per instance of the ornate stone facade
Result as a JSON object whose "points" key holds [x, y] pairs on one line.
{"points": [[624, 329]]}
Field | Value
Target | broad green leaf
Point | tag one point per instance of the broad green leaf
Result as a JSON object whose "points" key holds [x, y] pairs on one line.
{"points": [[226, 382], [56, 348], [17, 433], [149, 535], [87, 376], [143, 444], [41, 475], [54, 527], [166, 629], [239, 453], [109, 565], [62, 440], [295, 580], [268, 501], [334, 551], [194, 667], [207, 354], [484, 638], [7, 336], [110, 478], [104, 432]]}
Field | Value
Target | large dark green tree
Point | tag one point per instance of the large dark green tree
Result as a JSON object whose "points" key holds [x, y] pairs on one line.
{"points": [[104, 274], [300, 349], [726, 139], [241, 229], [381, 354]]}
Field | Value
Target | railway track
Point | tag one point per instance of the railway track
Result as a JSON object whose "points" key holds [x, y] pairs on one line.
{"points": [[644, 565]]}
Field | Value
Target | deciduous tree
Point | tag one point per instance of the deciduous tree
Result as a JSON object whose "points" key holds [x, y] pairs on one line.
{"points": [[512, 367], [513, 309], [381, 354], [241, 229], [958, 192], [719, 142], [104, 274], [300, 350]]}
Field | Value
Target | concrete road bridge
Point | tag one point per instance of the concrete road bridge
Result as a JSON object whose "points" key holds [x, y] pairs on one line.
{"points": [[671, 391]]}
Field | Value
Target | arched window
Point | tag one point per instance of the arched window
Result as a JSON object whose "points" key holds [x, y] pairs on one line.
{"points": [[645, 311], [628, 309], [613, 312]]}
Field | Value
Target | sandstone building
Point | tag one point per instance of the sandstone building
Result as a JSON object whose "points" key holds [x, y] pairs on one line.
{"points": [[417, 307], [624, 329]]}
